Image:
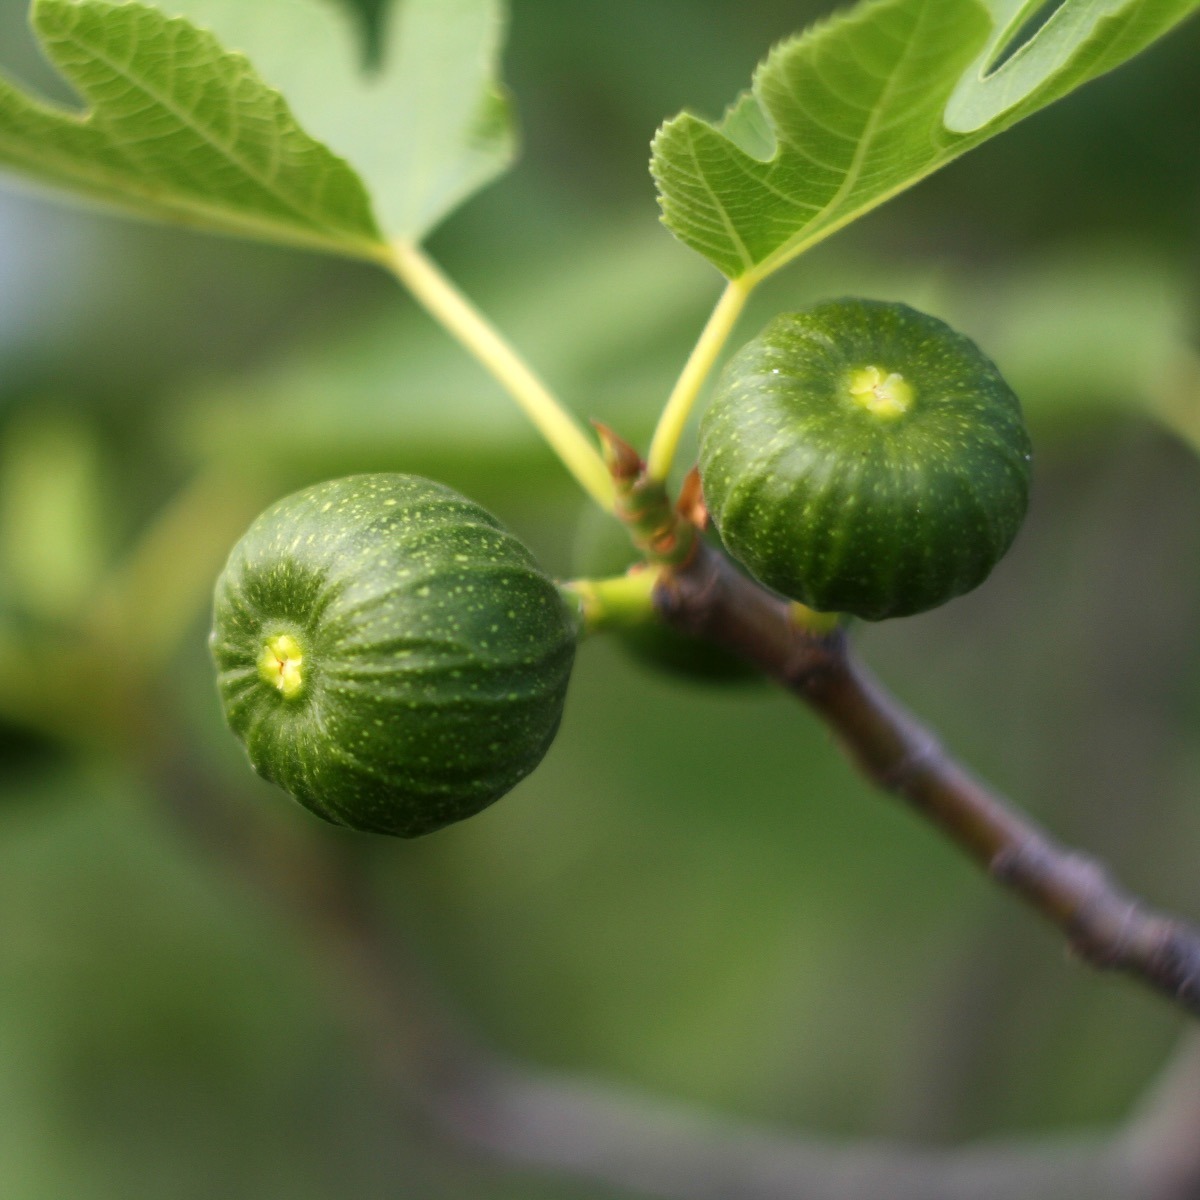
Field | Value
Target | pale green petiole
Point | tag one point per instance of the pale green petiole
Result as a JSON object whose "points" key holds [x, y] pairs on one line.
{"points": [[446, 304], [621, 602], [699, 365]]}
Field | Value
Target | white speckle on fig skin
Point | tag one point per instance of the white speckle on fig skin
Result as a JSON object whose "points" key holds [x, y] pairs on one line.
{"points": [[437, 652], [863, 457]]}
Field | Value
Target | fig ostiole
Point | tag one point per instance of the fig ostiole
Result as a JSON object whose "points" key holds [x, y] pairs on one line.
{"points": [[389, 654], [862, 457]]}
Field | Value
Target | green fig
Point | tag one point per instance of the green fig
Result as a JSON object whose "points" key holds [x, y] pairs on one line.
{"points": [[389, 654], [862, 457]]}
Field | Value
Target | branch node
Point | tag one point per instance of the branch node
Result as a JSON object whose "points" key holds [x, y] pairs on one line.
{"points": [[814, 660], [926, 751]]}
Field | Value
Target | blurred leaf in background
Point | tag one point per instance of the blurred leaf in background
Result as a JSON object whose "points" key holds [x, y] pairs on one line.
{"points": [[52, 535]]}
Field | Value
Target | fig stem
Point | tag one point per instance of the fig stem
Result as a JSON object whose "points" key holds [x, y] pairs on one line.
{"points": [[1105, 926], [665, 443], [447, 305], [620, 602], [817, 624]]}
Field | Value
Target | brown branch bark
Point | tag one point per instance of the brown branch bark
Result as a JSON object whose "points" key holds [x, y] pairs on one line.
{"points": [[708, 597]]}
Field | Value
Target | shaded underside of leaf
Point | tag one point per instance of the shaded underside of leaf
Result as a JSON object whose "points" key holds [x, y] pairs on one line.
{"points": [[178, 129], [438, 85], [864, 105]]}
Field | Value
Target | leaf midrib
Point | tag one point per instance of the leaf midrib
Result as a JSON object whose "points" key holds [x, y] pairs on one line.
{"points": [[743, 251], [118, 189], [812, 227]]}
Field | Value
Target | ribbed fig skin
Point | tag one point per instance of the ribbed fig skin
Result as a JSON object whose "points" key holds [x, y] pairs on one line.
{"points": [[436, 654], [847, 511]]}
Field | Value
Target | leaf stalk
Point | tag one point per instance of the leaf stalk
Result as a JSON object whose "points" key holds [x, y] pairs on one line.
{"points": [[447, 305], [674, 419]]}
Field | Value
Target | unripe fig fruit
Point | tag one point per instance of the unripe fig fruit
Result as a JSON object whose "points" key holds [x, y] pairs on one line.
{"points": [[862, 457], [389, 654]]}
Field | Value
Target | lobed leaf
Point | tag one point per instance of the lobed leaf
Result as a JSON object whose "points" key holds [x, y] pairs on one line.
{"points": [[177, 128], [861, 107], [425, 128], [208, 112]]}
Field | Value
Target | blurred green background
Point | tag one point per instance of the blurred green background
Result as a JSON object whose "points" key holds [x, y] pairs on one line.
{"points": [[694, 895]]}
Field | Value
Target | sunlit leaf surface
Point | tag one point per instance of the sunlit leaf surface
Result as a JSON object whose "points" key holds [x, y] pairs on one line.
{"points": [[859, 108]]}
